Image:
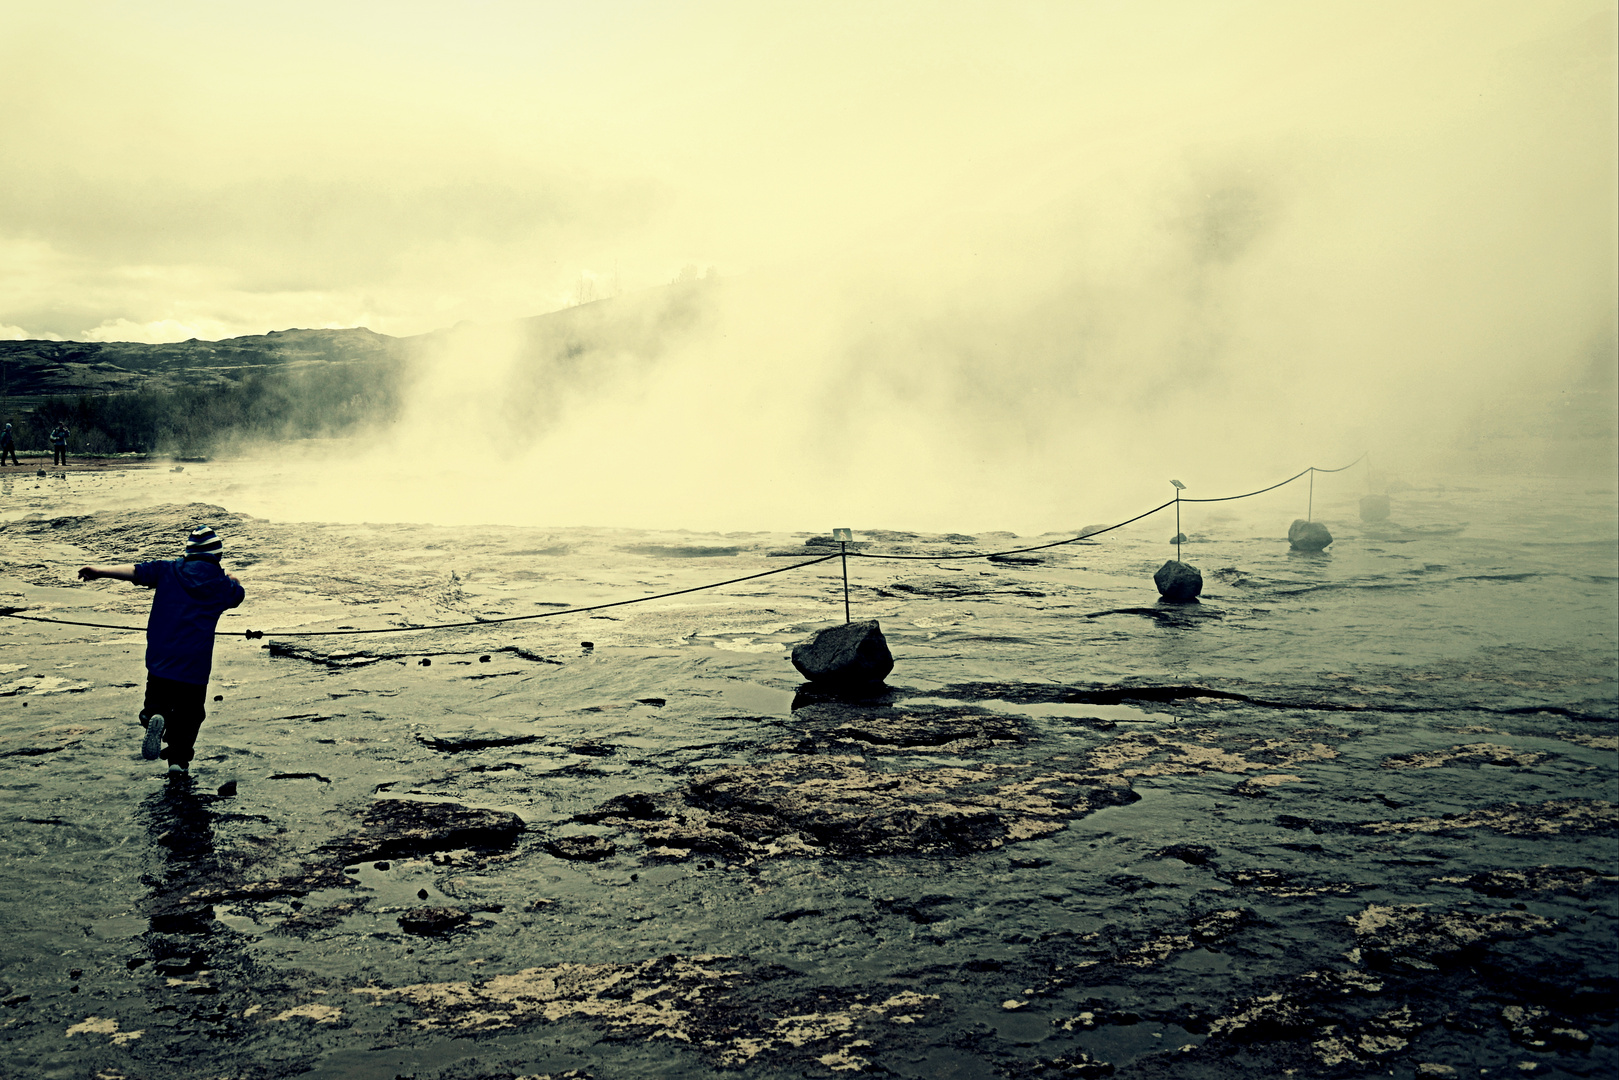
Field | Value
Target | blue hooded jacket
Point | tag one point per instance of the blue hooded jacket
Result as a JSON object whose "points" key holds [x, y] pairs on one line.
{"points": [[191, 596]]}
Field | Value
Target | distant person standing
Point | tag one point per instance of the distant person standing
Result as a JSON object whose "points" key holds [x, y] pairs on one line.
{"points": [[8, 445], [59, 445], [191, 593]]}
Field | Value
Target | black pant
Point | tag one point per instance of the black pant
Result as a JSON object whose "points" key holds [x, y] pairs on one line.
{"points": [[11, 450], [181, 706], [59, 455]]}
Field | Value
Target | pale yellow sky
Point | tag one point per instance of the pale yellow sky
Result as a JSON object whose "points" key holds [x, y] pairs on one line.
{"points": [[1011, 244], [230, 168]]}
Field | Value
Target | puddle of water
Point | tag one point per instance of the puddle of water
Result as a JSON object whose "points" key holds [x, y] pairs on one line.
{"points": [[400, 883], [1200, 961], [1121, 1044], [753, 698]]}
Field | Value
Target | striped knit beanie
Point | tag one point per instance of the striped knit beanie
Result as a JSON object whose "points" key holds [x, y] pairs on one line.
{"points": [[203, 544]]}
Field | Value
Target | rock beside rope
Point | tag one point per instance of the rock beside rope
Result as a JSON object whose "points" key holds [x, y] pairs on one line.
{"points": [[1308, 535], [855, 654], [1178, 582], [1374, 508]]}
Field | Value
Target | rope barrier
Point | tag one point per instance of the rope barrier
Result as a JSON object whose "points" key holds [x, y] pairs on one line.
{"points": [[1014, 551], [1311, 470], [253, 635], [70, 622], [537, 615], [1110, 528]]}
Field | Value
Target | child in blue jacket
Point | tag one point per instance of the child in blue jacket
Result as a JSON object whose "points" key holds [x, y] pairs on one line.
{"points": [[191, 593]]}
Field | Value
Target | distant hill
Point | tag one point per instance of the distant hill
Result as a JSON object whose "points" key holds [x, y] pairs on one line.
{"points": [[41, 368], [194, 396]]}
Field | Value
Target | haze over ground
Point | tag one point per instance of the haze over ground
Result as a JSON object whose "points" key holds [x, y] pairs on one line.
{"points": [[979, 266]]}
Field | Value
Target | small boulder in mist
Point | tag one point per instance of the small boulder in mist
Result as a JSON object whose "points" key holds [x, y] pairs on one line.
{"points": [[1308, 535], [1092, 530], [1374, 508], [855, 654], [1178, 582]]}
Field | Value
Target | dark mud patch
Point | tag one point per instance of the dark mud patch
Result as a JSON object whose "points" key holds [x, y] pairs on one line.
{"points": [[1190, 751], [1473, 754], [299, 882], [393, 828], [951, 589], [448, 742], [340, 659], [1279, 884], [528, 654], [682, 551], [388, 828], [580, 848], [1557, 817], [1178, 615], [1416, 988], [842, 806], [50, 740], [1038, 694], [1379, 699], [307, 922], [832, 724], [433, 921], [1538, 881]]}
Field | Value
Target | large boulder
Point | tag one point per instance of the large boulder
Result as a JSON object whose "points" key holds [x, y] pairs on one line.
{"points": [[1178, 582], [854, 654], [1308, 535], [1374, 508]]}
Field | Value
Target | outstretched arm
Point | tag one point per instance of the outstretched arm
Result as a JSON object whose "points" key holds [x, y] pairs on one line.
{"points": [[122, 573]]}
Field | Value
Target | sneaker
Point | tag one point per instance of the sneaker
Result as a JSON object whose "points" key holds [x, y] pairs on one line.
{"points": [[152, 745], [179, 770]]}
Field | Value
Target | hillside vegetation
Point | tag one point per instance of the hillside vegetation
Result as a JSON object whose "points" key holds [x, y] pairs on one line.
{"points": [[201, 397]]}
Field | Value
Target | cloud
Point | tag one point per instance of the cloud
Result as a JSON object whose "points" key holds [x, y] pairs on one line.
{"points": [[156, 332], [17, 333]]}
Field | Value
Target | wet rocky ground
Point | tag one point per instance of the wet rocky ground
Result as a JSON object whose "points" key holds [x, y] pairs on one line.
{"points": [[1350, 816]]}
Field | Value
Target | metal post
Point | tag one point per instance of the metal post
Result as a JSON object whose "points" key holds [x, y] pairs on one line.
{"points": [[1179, 487], [1310, 512], [844, 551], [843, 536]]}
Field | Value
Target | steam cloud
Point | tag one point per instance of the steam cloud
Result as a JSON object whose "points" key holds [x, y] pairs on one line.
{"points": [[1009, 269]]}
